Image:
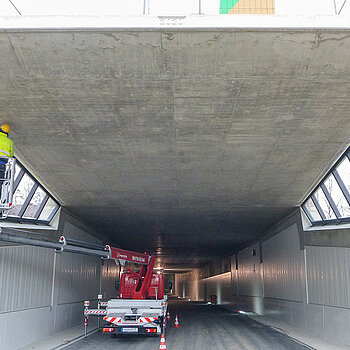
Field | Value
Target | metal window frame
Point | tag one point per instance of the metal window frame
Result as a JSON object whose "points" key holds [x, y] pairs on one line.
{"points": [[53, 211], [330, 200], [35, 219], [332, 222], [318, 206], [18, 178], [41, 207], [307, 212], [339, 220], [342, 185], [28, 199]]}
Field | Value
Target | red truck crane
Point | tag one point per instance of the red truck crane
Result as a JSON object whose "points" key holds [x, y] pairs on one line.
{"points": [[141, 305], [138, 285]]}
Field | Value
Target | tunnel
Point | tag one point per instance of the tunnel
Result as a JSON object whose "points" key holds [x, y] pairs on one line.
{"points": [[218, 144]]}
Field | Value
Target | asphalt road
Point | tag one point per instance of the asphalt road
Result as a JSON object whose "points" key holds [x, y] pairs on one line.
{"points": [[202, 327]]}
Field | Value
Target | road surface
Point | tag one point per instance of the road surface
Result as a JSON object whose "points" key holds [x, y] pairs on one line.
{"points": [[202, 327]]}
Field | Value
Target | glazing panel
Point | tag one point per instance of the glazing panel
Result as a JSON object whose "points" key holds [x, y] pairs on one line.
{"points": [[337, 196], [310, 206], [326, 207], [50, 206], [21, 194], [18, 168], [344, 172], [34, 203]]}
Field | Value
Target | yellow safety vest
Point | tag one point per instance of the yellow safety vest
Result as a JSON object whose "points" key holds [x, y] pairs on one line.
{"points": [[6, 146]]}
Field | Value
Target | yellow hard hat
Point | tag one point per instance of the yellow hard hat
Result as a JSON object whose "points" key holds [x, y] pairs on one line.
{"points": [[5, 128]]}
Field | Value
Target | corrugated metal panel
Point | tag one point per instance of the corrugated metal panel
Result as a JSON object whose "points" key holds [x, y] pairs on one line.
{"points": [[35, 324], [220, 286], [328, 275], [249, 276], [234, 276], [77, 277], [26, 277], [283, 266], [110, 274], [187, 284]]}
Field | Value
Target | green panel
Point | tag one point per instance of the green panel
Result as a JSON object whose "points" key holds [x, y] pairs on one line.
{"points": [[227, 5]]}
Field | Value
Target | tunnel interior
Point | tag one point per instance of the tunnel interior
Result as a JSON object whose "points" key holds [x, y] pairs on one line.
{"points": [[166, 151], [198, 146]]}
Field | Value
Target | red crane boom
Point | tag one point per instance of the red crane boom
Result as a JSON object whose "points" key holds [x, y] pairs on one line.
{"points": [[139, 282]]}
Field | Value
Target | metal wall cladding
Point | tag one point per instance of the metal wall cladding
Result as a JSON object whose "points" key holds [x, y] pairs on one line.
{"points": [[25, 277], [234, 276], [77, 277], [187, 284], [220, 286], [110, 274], [284, 271], [249, 272], [328, 275]]}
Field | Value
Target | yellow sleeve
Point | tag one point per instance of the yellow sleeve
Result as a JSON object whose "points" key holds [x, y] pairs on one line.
{"points": [[11, 148]]}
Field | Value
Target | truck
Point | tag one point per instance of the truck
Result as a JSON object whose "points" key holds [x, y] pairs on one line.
{"points": [[141, 306]]}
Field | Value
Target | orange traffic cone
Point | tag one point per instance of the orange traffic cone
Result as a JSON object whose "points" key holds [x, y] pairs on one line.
{"points": [[177, 322], [168, 316], [162, 345]]}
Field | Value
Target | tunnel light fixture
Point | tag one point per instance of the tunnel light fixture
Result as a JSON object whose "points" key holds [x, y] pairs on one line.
{"points": [[329, 202], [32, 203], [242, 312]]}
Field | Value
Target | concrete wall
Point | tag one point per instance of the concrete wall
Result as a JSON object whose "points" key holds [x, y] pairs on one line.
{"points": [[44, 290], [299, 279]]}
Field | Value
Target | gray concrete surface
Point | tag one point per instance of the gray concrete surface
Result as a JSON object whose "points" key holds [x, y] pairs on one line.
{"points": [[197, 141], [202, 327]]}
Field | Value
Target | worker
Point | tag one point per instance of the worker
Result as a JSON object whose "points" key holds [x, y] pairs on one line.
{"points": [[6, 149]]}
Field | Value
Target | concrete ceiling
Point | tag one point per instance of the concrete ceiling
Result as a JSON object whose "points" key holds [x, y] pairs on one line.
{"points": [[187, 143]]}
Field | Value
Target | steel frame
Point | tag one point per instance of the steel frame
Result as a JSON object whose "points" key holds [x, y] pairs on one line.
{"points": [[35, 219], [339, 220]]}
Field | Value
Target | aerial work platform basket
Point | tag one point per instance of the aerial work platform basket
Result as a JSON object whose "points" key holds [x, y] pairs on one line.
{"points": [[7, 179]]}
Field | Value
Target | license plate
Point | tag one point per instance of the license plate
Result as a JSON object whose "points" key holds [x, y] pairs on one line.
{"points": [[130, 330]]}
